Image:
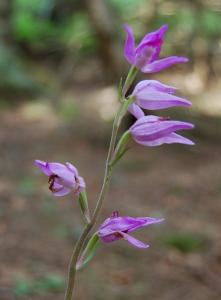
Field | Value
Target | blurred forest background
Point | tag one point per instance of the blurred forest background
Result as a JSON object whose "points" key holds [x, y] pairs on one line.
{"points": [[60, 63]]}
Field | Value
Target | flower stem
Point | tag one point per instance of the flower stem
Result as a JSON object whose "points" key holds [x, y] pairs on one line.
{"points": [[107, 176], [129, 80]]}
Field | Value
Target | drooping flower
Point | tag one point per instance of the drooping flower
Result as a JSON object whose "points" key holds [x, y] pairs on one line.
{"points": [[145, 55], [117, 227], [62, 178], [155, 131]]}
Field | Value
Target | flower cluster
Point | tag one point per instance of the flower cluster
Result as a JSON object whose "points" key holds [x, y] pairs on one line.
{"points": [[147, 130], [152, 94]]}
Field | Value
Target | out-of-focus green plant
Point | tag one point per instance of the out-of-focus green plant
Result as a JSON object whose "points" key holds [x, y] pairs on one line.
{"points": [[211, 25], [77, 34], [185, 242], [49, 283], [14, 75], [31, 20]]}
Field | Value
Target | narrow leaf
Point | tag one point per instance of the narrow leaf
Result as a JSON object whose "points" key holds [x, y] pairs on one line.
{"points": [[88, 252], [84, 206]]}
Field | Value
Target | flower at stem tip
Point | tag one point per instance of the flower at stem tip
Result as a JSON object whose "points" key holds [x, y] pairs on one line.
{"points": [[155, 131], [62, 178], [145, 55], [117, 227]]}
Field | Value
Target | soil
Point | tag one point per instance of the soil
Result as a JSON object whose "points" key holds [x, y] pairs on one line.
{"points": [[38, 231]]}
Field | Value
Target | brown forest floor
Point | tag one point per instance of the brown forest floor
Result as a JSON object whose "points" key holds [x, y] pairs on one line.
{"points": [[37, 231]]}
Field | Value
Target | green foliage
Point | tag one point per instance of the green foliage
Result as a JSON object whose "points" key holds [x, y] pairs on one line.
{"points": [[77, 33], [210, 21], [22, 288], [49, 283], [128, 5], [32, 23], [185, 242], [30, 20], [14, 75]]}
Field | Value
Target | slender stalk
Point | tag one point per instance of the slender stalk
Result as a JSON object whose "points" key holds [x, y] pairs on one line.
{"points": [[88, 227], [107, 176], [129, 80], [73, 262]]}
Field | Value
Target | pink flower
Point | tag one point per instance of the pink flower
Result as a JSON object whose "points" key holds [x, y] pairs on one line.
{"points": [[62, 178], [155, 131], [145, 55], [153, 95], [117, 227]]}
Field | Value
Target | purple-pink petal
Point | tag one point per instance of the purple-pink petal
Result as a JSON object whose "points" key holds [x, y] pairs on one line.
{"points": [[62, 178], [163, 63], [153, 85], [151, 125], [133, 241], [168, 139], [154, 36], [152, 94], [145, 54], [43, 166], [72, 168], [117, 227], [136, 111], [158, 100], [154, 131], [60, 190], [63, 173], [129, 48], [110, 238]]}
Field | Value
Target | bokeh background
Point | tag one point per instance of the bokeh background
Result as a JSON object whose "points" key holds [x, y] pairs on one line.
{"points": [[60, 62]]}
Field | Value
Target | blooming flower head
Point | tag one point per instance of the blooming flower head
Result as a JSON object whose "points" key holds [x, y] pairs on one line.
{"points": [[62, 178], [117, 227], [155, 131], [145, 55], [153, 95]]}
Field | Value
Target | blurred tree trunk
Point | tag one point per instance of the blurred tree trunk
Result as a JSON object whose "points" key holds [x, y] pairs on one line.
{"points": [[105, 23], [5, 26]]}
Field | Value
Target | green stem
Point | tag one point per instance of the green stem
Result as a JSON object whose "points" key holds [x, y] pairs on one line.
{"points": [[129, 80], [107, 176], [73, 262]]}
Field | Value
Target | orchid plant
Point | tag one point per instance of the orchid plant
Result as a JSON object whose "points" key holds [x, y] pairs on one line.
{"points": [[148, 130]]}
